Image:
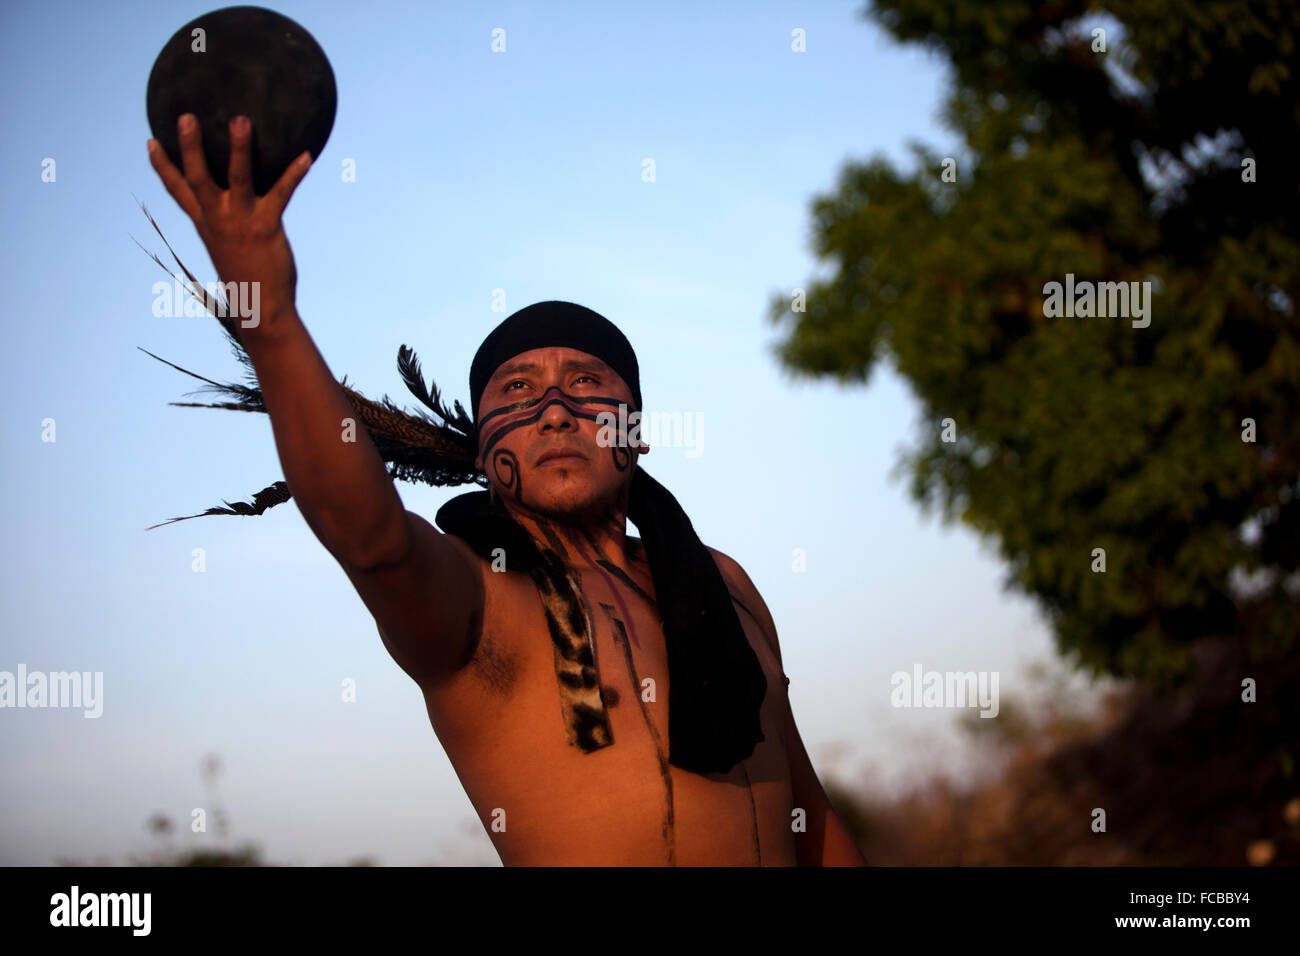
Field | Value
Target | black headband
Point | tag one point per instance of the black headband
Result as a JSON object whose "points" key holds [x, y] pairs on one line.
{"points": [[553, 324]]}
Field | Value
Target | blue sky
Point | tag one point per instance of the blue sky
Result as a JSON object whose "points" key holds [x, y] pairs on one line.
{"points": [[475, 172]]}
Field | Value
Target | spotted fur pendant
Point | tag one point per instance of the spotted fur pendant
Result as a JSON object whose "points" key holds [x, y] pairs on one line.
{"points": [[586, 724], [489, 529]]}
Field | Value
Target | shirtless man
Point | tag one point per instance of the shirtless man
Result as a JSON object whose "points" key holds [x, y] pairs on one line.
{"points": [[475, 637]]}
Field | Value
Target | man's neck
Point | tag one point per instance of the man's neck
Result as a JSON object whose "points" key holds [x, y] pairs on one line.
{"points": [[590, 541]]}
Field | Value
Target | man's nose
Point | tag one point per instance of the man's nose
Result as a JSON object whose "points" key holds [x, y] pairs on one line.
{"points": [[556, 415]]}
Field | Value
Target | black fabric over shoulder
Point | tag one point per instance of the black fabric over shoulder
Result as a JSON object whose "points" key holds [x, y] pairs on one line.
{"points": [[716, 684], [485, 525]]}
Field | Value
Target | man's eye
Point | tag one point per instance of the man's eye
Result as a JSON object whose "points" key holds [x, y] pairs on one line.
{"points": [[581, 377], [510, 385]]}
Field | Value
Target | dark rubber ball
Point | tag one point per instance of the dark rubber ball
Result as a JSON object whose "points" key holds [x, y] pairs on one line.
{"points": [[250, 61]]}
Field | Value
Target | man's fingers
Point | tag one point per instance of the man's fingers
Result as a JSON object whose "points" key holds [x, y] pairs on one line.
{"points": [[241, 162], [196, 167], [279, 195], [174, 182]]}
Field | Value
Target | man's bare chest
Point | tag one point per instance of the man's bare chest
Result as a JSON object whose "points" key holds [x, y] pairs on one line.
{"points": [[523, 659], [502, 723], [527, 653]]}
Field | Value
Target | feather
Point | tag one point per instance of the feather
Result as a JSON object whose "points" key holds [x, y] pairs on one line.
{"points": [[218, 307], [414, 447], [408, 366], [250, 399], [269, 497]]}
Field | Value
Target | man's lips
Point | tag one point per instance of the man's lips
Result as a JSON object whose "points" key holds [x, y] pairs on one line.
{"points": [[562, 456]]}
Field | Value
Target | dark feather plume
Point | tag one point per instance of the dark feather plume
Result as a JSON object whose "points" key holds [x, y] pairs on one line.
{"points": [[268, 497], [416, 447]]}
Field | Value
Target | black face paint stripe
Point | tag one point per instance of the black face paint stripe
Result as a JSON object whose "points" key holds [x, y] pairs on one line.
{"points": [[529, 402], [506, 466], [489, 436], [490, 441]]}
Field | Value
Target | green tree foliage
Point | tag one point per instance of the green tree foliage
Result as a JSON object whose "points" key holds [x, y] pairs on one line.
{"points": [[1072, 434]]}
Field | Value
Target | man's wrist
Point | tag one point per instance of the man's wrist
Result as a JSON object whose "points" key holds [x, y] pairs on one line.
{"points": [[267, 327]]}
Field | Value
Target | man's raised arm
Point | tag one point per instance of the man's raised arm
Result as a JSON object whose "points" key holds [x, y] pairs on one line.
{"points": [[424, 591], [423, 588]]}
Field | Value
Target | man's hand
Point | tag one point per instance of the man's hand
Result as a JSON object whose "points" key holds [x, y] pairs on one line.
{"points": [[243, 233]]}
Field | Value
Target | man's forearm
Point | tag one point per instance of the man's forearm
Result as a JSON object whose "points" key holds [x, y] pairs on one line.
{"points": [[334, 472]]}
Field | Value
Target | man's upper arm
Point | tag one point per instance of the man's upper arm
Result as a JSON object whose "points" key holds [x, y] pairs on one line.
{"points": [[427, 604], [826, 841]]}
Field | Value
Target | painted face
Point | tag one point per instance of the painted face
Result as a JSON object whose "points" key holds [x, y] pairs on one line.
{"points": [[541, 442]]}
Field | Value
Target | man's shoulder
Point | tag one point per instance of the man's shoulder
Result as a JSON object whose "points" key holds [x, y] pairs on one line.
{"points": [[737, 581], [745, 593], [741, 587], [500, 579], [732, 572]]}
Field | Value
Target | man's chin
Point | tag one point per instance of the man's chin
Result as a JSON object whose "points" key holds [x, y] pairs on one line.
{"points": [[570, 506]]}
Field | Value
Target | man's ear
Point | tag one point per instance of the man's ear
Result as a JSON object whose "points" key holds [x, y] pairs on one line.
{"points": [[641, 446]]}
